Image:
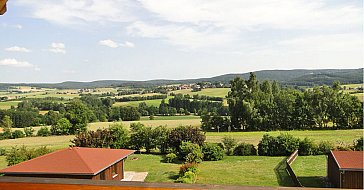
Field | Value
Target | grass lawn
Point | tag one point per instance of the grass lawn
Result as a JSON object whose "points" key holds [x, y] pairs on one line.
{"points": [[8, 104], [219, 92], [311, 170], [232, 170], [334, 136]]}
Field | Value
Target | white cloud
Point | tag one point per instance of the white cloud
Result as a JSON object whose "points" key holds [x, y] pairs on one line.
{"points": [[128, 44], [190, 37], [70, 12], [57, 48], [69, 71], [14, 63], [18, 26], [109, 43], [256, 14], [17, 49], [113, 44]]}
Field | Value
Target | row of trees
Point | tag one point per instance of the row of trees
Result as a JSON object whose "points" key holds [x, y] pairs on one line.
{"points": [[140, 98], [267, 106]]}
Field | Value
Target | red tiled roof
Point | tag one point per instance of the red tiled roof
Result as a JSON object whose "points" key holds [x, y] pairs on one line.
{"points": [[76, 160], [349, 159]]}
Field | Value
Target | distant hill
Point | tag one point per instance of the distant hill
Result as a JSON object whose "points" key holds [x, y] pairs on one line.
{"points": [[299, 77]]}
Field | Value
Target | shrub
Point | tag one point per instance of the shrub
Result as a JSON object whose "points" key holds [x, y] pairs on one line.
{"points": [[101, 138], [17, 134], [151, 117], [28, 131], [185, 133], [192, 167], [229, 144], [43, 132], [324, 147], [190, 152], [188, 177], [244, 149], [212, 152], [307, 147], [282, 145], [171, 157], [17, 155], [358, 144]]}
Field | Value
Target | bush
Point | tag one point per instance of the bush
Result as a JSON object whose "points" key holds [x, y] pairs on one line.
{"points": [[282, 145], [324, 147], [17, 134], [212, 152], [17, 155], [171, 157], [185, 133], [307, 147], [188, 167], [28, 131], [358, 144], [229, 144], [244, 149], [43, 132], [188, 177], [190, 152]]}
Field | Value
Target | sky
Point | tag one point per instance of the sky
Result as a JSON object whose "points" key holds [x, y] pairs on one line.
{"points": [[88, 40]]}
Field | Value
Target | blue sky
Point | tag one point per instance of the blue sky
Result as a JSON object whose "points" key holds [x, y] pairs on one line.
{"points": [[87, 40]]}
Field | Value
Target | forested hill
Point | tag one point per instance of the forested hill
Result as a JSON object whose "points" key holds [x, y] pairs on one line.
{"points": [[299, 77]]}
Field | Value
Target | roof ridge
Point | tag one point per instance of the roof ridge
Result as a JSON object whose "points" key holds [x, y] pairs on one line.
{"points": [[83, 161]]}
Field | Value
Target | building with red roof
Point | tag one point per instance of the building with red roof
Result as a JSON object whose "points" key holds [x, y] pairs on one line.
{"points": [[345, 169], [75, 162]]}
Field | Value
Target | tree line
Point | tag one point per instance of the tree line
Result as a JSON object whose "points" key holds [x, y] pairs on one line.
{"points": [[255, 106]]}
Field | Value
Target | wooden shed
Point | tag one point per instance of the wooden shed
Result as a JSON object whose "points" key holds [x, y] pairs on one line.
{"points": [[76, 162], [345, 169]]}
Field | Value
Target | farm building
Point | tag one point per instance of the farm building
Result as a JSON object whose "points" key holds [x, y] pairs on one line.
{"points": [[345, 169], [76, 162]]}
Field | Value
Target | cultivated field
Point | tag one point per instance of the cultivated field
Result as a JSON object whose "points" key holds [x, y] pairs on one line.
{"points": [[218, 92], [8, 104], [155, 102]]}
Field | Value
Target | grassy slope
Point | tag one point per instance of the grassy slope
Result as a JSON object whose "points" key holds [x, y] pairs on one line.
{"points": [[310, 170]]}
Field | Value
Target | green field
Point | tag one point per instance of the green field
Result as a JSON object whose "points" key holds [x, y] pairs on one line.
{"points": [[232, 170], [334, 136], [218, 92], [310, 170], [194, 121], [136, 103], [8, 104]]}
